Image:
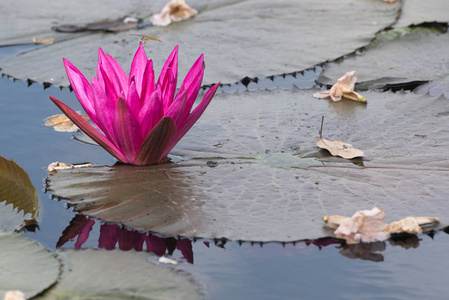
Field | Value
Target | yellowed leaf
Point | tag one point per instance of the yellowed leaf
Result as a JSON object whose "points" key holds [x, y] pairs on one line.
{"points": [[62, 123], [339, 148]]}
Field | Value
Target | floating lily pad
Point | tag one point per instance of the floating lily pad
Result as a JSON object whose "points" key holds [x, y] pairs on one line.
{"points": [[417, 12], [18, 194], [397, 56], [115, 274], [25, 266], [301, 34], [253, 172]]}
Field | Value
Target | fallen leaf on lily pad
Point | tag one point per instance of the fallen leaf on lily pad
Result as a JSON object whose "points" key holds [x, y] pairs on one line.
{"points": [[368, 226], [55, 166], [61, 123], [174, 11], [339, 148], [43, 41], [343, 88]]}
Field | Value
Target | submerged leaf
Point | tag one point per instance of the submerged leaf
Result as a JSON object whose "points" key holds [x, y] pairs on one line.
{"points": [[339, 148]]}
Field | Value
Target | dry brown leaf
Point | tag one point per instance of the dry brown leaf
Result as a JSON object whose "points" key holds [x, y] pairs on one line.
{"points": [[55, 166], [339, 148], [343, 88], [43, 41], [368, 226], [61, 123], [173, 11]]}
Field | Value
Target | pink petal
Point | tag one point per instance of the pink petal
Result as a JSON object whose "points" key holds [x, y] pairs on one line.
{"points": [[192, 83], [112, 70], [154, 147], [138, 67], [168, 88], [88, 129], [168, 78], [151, 113], [133, 99], [105, 119], [126, 131], [192, 117], [81, 88], [178, 108], [110, 90], [148, 85], [185, 246]]}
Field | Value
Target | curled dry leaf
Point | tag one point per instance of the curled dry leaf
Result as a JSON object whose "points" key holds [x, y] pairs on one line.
{"points": [[55, 166], [174, 11], [343, 88], [368, 226], [61, 123], [339, 148]]}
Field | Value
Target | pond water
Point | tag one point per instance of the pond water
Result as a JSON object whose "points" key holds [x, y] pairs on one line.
{"points": [[403, 268]]}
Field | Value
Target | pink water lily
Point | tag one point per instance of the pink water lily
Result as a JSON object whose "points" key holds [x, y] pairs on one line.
{"points": [[138, 120]]}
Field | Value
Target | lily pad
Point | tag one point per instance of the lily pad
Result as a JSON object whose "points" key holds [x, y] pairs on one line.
{"points": [[397, 56], [417, 12], [18, 194], [115, 274], [253, 172], [25, 266], [301, 34]]}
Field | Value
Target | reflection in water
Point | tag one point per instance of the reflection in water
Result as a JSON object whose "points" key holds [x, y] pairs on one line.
{"points": [[114, 236], [368, 251]]}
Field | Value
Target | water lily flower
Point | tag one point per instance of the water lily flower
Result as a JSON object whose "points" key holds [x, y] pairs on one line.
{"points": [[138, 120], [343, 88]]}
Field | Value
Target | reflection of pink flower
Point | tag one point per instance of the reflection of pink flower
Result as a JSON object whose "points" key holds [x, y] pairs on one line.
{"points": [[112, 236], [139, 121], [364, 226]]}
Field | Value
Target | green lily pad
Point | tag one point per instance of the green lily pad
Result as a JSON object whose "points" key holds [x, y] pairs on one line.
{"points": [[253, 172], [399, 55], [17, 194], [301, 34], [25, 266], [115, 274]]}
